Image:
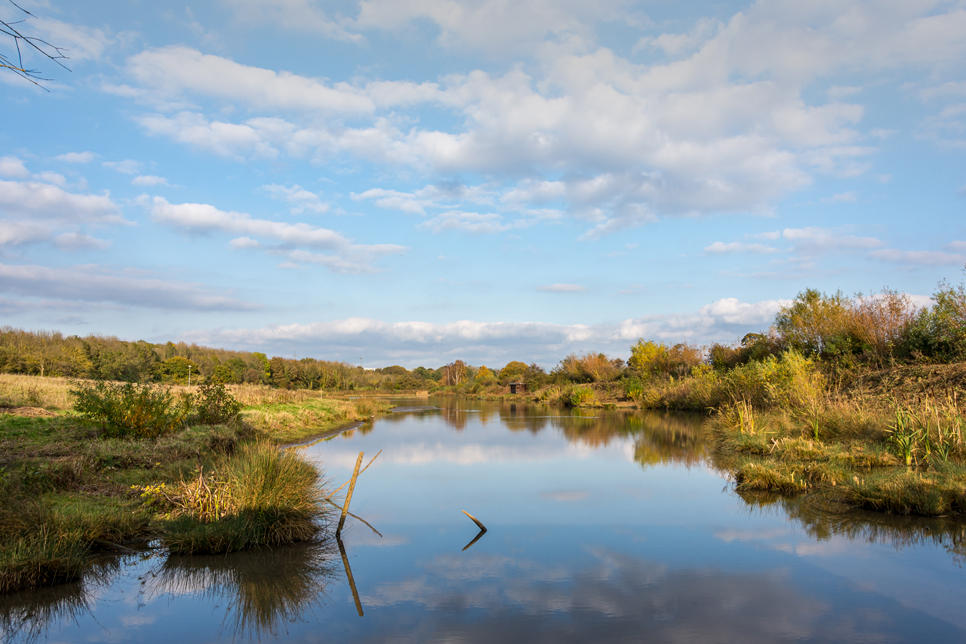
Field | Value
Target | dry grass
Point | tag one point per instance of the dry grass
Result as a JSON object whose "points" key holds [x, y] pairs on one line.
{"points": [[258, 496], [851, 450], [35, 391]]}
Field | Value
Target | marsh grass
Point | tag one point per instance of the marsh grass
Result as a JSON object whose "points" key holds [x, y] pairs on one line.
{"points": [[866, 453], [46, 541], [258, 496]]}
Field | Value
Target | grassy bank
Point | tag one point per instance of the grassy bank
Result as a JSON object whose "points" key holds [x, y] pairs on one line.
{"points": [[884, 439], [73, 486]]}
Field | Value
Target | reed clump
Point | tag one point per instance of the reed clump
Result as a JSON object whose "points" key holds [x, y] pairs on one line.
{"points": [[258, 496]]}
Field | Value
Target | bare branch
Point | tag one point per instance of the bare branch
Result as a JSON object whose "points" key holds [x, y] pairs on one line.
{"points": [[39, 45]]}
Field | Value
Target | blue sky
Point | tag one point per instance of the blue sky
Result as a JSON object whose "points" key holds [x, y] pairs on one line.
{"points": [[418, 181]]}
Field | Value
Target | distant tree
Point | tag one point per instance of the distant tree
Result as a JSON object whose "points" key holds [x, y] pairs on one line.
{"points": [[535, 376], [454, 373], [512, 371], [485, 376], [178, 368]]}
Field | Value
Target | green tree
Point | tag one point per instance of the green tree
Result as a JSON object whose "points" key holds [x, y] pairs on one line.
{"points": [[513, 371], [816, 323]]}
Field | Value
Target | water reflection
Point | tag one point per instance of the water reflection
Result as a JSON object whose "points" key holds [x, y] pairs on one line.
{"points": [[263, 590], [604, 526], [613, 596], [27, 617], [823, 518], [659, 438]]}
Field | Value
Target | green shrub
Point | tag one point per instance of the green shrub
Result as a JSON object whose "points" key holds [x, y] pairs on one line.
{"points": [[216, 405], [131, 409], [577, 396]]}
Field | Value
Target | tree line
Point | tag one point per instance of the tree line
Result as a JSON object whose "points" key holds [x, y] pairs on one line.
{"points": [[879, 329]]}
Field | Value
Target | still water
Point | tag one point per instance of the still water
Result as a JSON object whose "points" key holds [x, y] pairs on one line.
{"points": [[603, 526]]}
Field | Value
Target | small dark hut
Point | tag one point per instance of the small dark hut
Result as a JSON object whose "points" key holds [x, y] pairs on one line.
{"points": [[518, 388]]}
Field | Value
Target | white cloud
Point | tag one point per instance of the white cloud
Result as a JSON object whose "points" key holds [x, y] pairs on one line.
{"points": [[496, 27], [468, 222], [719, 248], [35, 200], [13, 167], [919, 257], [51, 177], [843, 197], [419, 342], [76, 157], [244, 243], [727, 124], [811, 240], [128, 166], [345, 256], [956, 246], [79, 241], [562, 288], [301, 198], [730, 310], [164, 75], [79, 42], [86, 284], [32, 212], [297, 15], [149, 180]]}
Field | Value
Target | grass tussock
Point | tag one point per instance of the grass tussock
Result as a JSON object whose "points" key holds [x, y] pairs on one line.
{"points": [[258, 496]]}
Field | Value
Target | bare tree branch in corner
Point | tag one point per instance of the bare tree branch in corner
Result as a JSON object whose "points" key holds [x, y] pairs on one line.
{"points": [[41, 46]]}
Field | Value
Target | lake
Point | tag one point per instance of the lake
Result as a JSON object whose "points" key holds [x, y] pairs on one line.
{"points": [[602, 526]]}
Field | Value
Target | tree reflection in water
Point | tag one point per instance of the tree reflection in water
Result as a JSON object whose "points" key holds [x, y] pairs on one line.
{"points": [[263, 589], [823, 518]]}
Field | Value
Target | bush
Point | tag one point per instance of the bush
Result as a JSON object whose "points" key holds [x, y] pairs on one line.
{"points": [[789, 381], [651, 358], [131, 409], [940, 332], [216, 405]]}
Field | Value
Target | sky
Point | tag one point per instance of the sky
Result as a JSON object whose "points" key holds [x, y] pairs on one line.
{"points": [[418, 181]]}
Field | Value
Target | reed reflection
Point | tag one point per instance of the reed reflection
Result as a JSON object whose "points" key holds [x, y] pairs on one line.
{"points": [[30, 616], [262, 590], [822, 519]]}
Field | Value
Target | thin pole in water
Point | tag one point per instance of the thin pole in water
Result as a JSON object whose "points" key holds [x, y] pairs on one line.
{"points": [[348, 495]]}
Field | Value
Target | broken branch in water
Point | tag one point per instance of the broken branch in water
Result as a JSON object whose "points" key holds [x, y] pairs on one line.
{"points": [[475, 539], [475, 520], [348, 495], [370, 462]]}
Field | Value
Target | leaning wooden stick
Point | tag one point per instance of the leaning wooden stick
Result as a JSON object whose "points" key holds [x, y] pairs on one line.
{"points": [[348, 495], [370, 462], [475, 520]]}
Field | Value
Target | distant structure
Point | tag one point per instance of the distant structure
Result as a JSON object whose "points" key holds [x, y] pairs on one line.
{"points": [[518, 388]]}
